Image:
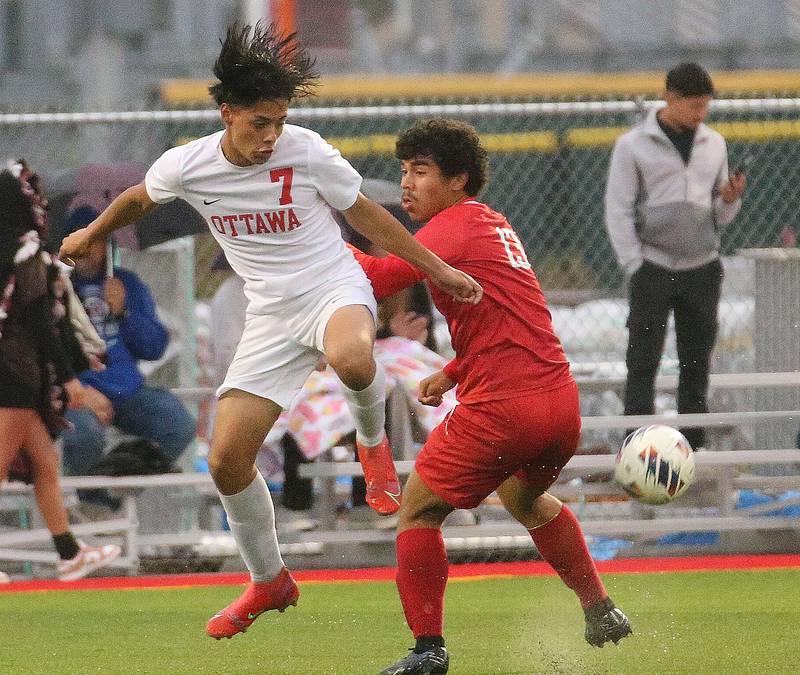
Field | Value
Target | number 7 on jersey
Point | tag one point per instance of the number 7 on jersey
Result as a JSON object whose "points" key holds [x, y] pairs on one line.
{"points": [[284, 177]]}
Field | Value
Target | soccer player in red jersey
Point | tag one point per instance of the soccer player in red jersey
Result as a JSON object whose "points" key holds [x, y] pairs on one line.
{"points": [[517, 421]]}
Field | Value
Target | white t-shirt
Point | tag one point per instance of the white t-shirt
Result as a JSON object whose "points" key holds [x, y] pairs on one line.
{"points": [[273, 220]]}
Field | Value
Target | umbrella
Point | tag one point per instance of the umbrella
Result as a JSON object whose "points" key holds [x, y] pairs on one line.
{"points": [[382, 191], [96, 185]]}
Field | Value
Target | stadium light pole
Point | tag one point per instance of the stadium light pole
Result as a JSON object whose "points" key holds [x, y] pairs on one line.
{"points": [[281, 12], [256, 10]]}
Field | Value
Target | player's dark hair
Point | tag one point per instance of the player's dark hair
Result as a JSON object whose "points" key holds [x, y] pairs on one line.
{"points": [[257, 64], [690, 79], [453, 145]]}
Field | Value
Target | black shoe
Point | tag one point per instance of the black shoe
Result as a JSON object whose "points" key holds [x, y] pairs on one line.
{"points": [[606, 623], [100, 497], [431, 662]]}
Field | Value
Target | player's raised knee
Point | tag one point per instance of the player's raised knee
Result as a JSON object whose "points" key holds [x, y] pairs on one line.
{"points": [[355, 367]]}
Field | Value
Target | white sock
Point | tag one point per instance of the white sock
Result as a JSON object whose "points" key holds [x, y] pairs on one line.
{"points": [[368, 407], [251, 517]]}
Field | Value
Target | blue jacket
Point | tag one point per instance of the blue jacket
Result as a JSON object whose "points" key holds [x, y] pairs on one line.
{"points": [[138, 335]]}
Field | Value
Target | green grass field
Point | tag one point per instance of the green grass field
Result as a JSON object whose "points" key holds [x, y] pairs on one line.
{"points": [[710, 622]]}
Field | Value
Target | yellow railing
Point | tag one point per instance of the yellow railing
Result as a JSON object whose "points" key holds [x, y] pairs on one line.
{"points": [[194, 92]]}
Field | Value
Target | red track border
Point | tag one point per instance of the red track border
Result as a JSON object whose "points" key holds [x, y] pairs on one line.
{"points": [[465, 571]]}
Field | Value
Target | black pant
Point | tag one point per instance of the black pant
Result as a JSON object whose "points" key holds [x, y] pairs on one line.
{"points": [[693, 297], [298, 493]]}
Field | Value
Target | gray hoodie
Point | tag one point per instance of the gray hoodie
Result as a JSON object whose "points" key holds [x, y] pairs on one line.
{"points": [[659, 208]]}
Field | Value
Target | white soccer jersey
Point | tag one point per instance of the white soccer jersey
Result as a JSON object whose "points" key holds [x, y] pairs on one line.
{"points": [[273, 220]]}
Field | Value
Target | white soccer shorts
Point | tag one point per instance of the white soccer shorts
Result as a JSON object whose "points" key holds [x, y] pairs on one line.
{"points": [[278, 351]]}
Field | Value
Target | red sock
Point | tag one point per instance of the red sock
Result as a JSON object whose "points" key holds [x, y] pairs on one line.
{"points": [[561, 544], [421, 579]]}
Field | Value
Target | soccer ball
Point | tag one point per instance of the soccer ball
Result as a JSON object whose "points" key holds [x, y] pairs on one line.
{"points": [[655, 464]]}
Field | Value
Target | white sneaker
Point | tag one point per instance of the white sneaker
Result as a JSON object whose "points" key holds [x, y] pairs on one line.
{"points": [[298, 523], [89, 559], [461, 517]]}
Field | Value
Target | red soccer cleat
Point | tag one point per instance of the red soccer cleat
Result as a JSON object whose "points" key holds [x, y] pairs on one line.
{"points": [[258, 598], [383, 486]]}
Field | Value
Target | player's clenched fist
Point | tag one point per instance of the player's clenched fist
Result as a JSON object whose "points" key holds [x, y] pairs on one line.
{"points": [[74, 246], [432, 388], [461, 286]]}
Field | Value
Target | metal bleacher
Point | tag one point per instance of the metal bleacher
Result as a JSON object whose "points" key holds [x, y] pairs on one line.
{"points": [[586, 482]]}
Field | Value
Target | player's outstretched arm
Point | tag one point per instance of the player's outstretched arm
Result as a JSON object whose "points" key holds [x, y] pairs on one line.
{"points": [[387, 275], [127, 208], [383, 229]]}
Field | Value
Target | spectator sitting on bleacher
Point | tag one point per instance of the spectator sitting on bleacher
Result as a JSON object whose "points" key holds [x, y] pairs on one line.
{"points": [[38, 351], [409, 312], [123, 312]]}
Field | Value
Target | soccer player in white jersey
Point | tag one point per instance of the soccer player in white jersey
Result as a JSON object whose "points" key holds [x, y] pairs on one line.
{"points": [[266, 189]]}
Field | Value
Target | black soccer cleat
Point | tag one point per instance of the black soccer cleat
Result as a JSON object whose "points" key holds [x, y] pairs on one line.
{"points": [[434, 661], [606, 623]]}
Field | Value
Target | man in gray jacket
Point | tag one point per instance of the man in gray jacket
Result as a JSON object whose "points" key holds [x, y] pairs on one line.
{"points": [[667, 194]]}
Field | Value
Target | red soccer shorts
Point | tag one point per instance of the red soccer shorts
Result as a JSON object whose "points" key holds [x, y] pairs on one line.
{"points": [[479, 445]]}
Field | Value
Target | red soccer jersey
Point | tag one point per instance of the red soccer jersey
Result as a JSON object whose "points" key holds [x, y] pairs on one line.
{"points": [[505, 345]]}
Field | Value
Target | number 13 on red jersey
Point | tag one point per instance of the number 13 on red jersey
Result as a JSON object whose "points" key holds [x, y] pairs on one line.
{"points": [[513, 246]]}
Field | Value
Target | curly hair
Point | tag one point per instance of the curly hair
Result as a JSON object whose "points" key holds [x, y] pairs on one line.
{"points": [[256, 64], [453, 145]]}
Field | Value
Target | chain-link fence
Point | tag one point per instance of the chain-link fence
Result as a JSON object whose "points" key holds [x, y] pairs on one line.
{"points": [[548, 169]]}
